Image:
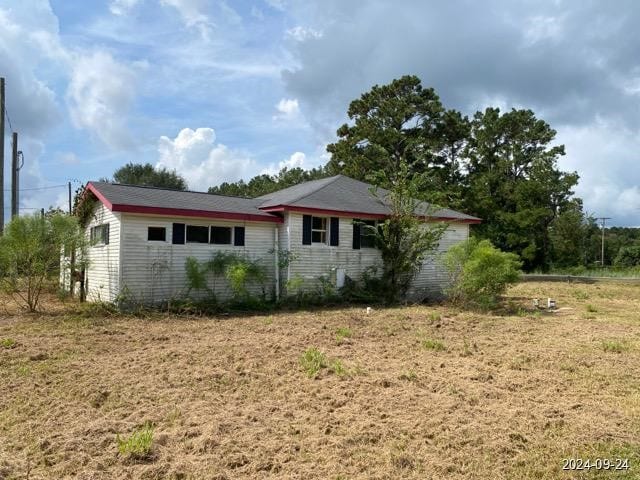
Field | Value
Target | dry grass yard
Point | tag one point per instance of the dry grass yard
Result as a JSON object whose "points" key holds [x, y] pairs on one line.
{"points": [[419, 392]]}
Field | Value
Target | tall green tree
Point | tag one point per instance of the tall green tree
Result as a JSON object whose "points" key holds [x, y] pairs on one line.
{"points": [[264, 183], [390, 125], [514, 183], [147, 175]]}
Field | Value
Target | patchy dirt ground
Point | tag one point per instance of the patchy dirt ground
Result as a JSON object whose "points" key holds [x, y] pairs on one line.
{"points": [[427, 392]]}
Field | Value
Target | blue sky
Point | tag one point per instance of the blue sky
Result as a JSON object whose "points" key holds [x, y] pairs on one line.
{"points": [[222, 90]]}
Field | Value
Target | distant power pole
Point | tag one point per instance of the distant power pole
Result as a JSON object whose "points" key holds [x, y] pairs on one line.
{"points": [[14, 175], [1, 155], [604, 221]]}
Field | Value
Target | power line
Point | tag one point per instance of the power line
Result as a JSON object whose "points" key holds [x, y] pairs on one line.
{"points": [[37, 188]]}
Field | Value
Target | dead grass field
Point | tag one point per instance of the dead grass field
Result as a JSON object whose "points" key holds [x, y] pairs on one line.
{"points": [[423, 392]]}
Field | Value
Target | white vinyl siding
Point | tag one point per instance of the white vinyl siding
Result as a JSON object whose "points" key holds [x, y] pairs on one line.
{"points": [[155, 271], [315, 260], [102, 273]]}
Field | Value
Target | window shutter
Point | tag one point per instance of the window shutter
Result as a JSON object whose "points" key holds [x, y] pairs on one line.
{"points": [[238, 236], [356, 234], [306, 229], [334, 232], [178, 234], [106, 234]]}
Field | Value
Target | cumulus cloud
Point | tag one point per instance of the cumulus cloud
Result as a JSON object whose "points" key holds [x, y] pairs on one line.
{"points": [[99, 96], [288, 108], [31, 103], [204, 163], [296, 160]]}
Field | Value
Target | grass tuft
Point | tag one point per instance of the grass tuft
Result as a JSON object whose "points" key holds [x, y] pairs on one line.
{"points": [[614, 346], [342, 333], [591, 309], [138, 444], [8, 343], [435, 345], [312, 361]]}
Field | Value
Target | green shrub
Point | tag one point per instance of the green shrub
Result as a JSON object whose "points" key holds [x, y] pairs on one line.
{"points": [[479, 272], [138, 444], [312, 361], [337, 367], [628, 256]]}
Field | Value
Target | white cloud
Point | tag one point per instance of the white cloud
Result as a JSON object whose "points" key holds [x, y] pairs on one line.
{"points": [[99, 96], [300, 33], [69, 158], [296, 160], [192, 14], [122, 7], [288, 108], [195, 155]]}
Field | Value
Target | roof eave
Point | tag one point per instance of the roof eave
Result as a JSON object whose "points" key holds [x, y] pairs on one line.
{"points": [[182, 212]]}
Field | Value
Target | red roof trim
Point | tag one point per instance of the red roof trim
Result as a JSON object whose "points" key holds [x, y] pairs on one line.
{"points": [[183, 212], [347, 213]]}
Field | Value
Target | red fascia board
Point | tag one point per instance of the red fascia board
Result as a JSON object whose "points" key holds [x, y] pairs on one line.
{"points": [[346, 213], [182, 212]]}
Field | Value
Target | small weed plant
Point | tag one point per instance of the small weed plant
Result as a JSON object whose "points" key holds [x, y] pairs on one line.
{"points": [[435, 345], [312, 361], [138, 444]]}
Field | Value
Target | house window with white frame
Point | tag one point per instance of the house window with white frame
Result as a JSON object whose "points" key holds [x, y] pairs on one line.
{"points": [[99, 235], [318, 230]]}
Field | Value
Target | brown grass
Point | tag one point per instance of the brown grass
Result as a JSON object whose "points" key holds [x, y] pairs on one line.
{"points": [[509, 395]]}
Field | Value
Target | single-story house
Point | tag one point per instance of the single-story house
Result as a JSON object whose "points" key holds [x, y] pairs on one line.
{"points": [[142, 236]]}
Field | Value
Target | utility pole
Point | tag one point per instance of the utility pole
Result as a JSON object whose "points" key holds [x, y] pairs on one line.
{"points": [[14, 175], [604, 221], [69, 185], [2, 114]]}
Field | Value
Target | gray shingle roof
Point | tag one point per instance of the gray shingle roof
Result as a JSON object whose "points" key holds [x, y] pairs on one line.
{"points": [[138, 196], [341, 193]]}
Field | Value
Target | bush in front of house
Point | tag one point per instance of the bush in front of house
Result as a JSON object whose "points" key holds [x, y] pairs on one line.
{"points": [[479, 272]]}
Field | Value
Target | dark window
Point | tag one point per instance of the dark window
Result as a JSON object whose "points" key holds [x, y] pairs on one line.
{"points": [[99, 235], [197, 234], [319, 230], [156, 234], [221, 235], [178, 234], [367, 234]]}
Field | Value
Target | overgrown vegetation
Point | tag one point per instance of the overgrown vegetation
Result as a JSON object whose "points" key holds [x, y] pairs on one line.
{"points": [[479, 272], [238, 271], [30, 252]]}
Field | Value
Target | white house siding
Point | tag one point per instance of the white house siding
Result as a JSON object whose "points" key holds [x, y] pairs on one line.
{"points": [[432, 277], [102, 273], [316, 260], [155, 271]]}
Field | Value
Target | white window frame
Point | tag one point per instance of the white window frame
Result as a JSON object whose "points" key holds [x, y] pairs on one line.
{"points": [[100, 241], [323, 231], [166, 232]]}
